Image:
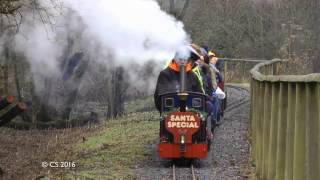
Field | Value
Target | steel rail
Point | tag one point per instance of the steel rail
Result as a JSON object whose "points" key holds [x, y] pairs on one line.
{"points": [[173, 172], [192, 171]]}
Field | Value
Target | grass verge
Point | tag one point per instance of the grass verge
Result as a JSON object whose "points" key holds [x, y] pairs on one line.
{"points": [[121, 144]]}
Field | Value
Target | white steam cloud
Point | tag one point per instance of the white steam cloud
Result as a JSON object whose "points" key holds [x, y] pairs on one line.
{"points": [[132, 29], [107, 31], [40, 48], [129, 30]]}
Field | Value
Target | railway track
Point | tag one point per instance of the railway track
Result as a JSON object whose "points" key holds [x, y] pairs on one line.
{"points": [[238, 87], [243, 98], [174, 173]]}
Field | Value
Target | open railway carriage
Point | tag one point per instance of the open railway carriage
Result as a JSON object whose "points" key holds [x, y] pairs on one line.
{"points": [[183, 124]]}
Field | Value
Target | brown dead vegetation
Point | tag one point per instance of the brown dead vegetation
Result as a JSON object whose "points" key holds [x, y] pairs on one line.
{"points": [[22, 152]]}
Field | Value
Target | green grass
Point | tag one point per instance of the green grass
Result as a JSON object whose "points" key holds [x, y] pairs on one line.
{"points": [[120, 145]]}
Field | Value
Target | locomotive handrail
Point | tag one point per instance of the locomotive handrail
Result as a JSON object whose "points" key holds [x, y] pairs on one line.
{"points": [[174, 93]]}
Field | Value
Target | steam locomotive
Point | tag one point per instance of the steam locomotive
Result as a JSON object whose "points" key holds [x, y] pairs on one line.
{"points": [[184, 131]]}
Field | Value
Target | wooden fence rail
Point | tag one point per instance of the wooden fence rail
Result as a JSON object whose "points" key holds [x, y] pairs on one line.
{"points": [[285, 123], [237, 70]]}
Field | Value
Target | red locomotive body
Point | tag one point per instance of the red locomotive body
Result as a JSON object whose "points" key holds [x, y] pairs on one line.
{"points": [[182, 126], [184, 134]]}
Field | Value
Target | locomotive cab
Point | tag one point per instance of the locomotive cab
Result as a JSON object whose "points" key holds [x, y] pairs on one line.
{"points": [[183, 126]]}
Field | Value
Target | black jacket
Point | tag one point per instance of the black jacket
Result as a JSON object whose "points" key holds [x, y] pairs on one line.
{"points": [[169, 81]]}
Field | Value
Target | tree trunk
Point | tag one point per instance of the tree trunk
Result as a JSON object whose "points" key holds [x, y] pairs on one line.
{"points": [[116, 91], [171, 7], [184, 10]]}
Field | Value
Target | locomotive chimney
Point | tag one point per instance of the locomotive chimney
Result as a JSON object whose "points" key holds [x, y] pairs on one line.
{"points": [[183, 95], [182, 78]]}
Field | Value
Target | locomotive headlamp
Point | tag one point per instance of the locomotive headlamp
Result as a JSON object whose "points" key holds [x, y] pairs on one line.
{"points": [[182, 139], [169, 102]]}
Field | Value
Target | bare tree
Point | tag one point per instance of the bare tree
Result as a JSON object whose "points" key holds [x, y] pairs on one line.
{"points": [[177, 8], [13, 12]]}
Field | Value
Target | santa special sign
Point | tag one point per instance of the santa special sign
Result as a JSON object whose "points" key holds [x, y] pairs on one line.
{"points": [[186, 123], [182, 121]]}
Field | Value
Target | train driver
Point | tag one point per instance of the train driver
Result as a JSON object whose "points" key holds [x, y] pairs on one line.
{"points": [[169, 78]]}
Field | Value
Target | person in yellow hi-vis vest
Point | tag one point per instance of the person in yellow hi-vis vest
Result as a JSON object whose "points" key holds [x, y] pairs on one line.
{"points": [[196, 67], [206, 83], [196, 70]]}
